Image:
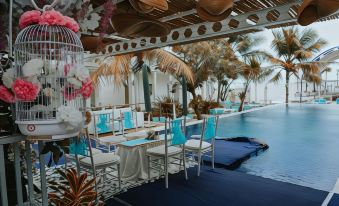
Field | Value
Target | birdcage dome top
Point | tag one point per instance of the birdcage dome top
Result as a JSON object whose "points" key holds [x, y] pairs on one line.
{"points": [[53, 34]]}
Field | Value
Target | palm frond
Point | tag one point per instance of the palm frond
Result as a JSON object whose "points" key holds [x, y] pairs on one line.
{"points": [[168, 62], [114, 70], [276, 78]]}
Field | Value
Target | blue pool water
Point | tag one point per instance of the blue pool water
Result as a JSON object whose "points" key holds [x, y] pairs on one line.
{"points": [[303, 140]]}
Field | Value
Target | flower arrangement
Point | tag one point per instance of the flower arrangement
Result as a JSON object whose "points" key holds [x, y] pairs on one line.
{"points": [[50, 17], [79, 82], [17, 89], [6, 95], [70, 116], [24, 90]]}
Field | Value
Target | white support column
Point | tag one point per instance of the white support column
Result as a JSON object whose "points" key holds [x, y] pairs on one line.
{"points": [[204, 90]]}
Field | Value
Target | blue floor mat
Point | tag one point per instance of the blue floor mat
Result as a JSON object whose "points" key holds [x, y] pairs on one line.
{"points": [[220, 187], [334, 201], [230, 154]]}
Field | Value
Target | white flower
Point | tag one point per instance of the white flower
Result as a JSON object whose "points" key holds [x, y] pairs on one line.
{"points": [[50, 67], [77, 84], [48, 92], [32, 68], [69, 115], [82, 74], [8, 78]]}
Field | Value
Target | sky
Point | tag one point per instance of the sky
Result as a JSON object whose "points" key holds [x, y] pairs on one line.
{"points": [[328, 30]]}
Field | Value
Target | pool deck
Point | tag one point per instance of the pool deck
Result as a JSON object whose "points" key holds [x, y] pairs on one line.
{"points": [[220, 187]]}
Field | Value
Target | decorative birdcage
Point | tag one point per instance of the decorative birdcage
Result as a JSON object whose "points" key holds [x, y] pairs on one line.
{"points": [[51, 83]]}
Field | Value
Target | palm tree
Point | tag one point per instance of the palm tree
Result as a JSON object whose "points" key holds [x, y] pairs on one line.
{"points": [[198, 57], [310, 73], [325, 70], [293, 48], [117, 68], [251, 72]]}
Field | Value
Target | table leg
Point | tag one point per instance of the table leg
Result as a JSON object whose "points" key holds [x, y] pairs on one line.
{"points": [[43, 175], [4, 199], [17, 167], [29, 172]]}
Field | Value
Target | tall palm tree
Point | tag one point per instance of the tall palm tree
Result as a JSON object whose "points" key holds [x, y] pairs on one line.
{"points": [[117, 68], [251, 72], [198, 57], [310, 73], [293, 48], [325, 70]]}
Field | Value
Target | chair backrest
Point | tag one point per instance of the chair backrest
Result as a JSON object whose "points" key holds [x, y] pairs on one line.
{"points": [[81, 144], [178, 127], [177, 130], [128, 120], [103, 123], [209, 128]]}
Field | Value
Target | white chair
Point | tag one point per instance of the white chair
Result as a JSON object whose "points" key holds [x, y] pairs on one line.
{"points": [[106, 125], [171, 152], [101, 165], [205, 143]]}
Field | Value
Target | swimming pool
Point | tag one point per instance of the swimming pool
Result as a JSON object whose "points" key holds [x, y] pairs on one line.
{"points": [[303, 140]]}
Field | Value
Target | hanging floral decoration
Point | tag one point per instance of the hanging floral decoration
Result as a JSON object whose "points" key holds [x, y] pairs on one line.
{"points": [[78, 82], [27, 87], [49, 17], [25, 90], [6, 95], [69, 115], [109, 8]]}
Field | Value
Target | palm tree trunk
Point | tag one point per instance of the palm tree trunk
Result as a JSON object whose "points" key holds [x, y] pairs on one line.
{"points": [[301, 90], [243, 97], [314, 87], [147, 96], [184, 96], [306, 87], [196, 106], [287, 86], [219, 90]]}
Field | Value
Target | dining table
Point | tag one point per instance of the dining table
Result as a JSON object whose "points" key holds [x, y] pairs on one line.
{"points": [[133, 160]]}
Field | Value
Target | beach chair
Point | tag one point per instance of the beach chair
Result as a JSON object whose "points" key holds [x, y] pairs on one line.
{"points": [[172, 151], [203, 144]]}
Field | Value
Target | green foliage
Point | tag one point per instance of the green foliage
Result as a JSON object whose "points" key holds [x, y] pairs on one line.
{"points": [[163, 106], [204, 105], [293, 49]]}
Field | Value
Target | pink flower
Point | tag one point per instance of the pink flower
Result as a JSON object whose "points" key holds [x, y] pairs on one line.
{"points": [[87, 89], [25, 91], [6, 95], [52, 17], [70, 92], [29, 18], [71, 24]]}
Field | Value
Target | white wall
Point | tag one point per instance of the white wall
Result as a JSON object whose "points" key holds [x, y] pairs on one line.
{"points": [[108, 94]]}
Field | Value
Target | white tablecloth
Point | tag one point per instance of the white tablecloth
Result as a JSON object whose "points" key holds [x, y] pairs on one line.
{"points": [[134, 161]]}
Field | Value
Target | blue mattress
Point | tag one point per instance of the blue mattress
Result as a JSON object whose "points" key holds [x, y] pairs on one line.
{"points": [[231, 152]]}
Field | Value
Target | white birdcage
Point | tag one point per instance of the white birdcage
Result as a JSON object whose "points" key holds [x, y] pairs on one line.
{"points": [[53, 52]]}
